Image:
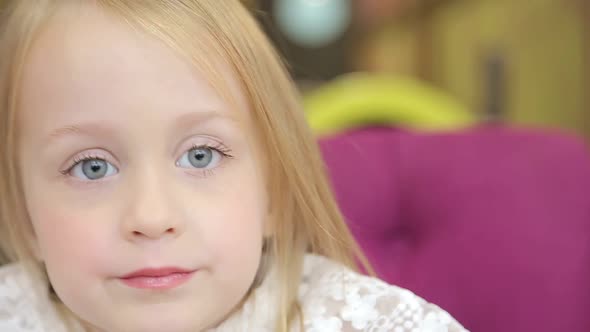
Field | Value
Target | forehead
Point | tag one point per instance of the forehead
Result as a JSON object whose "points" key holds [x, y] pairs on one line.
{"points": [[87, 60]]}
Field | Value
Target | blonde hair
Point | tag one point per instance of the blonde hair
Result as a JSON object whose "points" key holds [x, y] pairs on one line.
{"points": [[305, 215]]}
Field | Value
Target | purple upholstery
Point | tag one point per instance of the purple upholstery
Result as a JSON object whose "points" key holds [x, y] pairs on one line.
{"points": [[491, 224]]}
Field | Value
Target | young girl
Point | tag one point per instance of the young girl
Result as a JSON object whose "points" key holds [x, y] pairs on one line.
{"points": [[157, 174]]}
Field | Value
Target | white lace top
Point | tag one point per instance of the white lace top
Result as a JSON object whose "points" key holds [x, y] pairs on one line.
{"points": [[333, 298]]}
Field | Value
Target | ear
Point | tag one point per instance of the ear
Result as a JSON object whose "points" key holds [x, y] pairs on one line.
{"points": [[33, 243], [36, 251], [269, 224], [270, 218]]}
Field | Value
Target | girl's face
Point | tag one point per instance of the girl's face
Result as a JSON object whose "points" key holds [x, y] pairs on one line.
{"points": [[131, 161]]}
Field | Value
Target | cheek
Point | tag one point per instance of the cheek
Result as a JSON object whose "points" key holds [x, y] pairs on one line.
{"points": [[66, 233], [240, 224], [239, 218], [74, 251], [67, 238]]}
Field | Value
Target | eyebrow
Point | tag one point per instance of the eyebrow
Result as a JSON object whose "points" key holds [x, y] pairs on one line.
{"points": [[96, 129], [83, 129], [193, 119]]}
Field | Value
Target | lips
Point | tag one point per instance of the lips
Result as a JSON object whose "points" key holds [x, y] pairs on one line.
{"points": [[157, 278]]}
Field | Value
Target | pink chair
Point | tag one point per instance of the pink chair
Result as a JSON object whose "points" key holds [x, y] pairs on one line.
{"points": [[491, 224]]}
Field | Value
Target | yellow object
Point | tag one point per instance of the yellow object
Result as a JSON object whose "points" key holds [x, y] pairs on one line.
{"points": [[542, 45], [360, 99]]}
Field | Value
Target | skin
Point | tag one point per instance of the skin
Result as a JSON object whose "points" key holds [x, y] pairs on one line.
{"points": [[94, 88]]}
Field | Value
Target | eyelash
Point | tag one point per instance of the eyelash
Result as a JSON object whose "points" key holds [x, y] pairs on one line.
{"points": [[220, 148], [225, 152], [80, 159]]}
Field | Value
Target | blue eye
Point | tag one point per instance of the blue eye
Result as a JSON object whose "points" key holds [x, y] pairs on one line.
{"points": [[200, 157], [93, 169]]}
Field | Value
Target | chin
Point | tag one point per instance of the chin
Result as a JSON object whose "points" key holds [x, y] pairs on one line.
{"points": [[159, 326], [153, 323]]}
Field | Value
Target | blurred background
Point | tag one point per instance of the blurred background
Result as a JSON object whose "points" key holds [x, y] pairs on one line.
{"points": [[517, 62], [487, 214]]}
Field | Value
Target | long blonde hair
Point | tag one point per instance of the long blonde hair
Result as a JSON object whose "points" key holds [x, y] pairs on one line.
{"points": [[306, 217]]}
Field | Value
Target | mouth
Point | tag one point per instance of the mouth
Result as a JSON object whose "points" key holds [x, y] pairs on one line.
{"points": [[157, 278]]}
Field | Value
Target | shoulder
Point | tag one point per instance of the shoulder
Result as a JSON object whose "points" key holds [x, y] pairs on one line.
{"points": [[334, 298], [21, 309]]}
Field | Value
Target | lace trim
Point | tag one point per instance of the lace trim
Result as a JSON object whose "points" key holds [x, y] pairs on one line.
{"points": [[333, 298]]}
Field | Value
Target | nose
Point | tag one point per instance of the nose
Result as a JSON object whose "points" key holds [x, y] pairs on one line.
{"points": [[151, 211]]}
